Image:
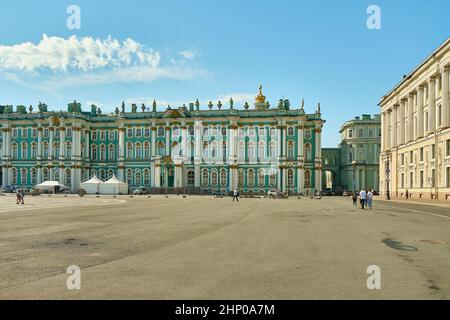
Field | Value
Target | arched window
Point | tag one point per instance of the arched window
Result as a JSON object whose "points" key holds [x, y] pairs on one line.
{"points": [[241, 151], [94, 154], [130, 177], [307, 179], [138, 151], [24, 151], [146, 177], [290, 131], [273, 150], [214, 179], [68, 150], [205, 178], [33, 176], [261, 177], [45, 153], [290, 179], [240, 178], [111, 152], [262, 150], [33, 150], [14, 176], [273, 178], [14, 151], [307, 152], [23, 176], [129, 150], [251, 151], [205, 131], [138, 133], [68, 177], [160, 131], [161, 149], [147, 150], [191, 178], [138, 178], [251, 178], [102, 152], [223, 178], [290, 150]]}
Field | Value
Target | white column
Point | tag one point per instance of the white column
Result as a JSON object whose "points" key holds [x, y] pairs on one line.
{"points": [[51, 141], [317, 162], [39, 145], [383, 131], [401, 121], [62, 139], [394, 125], [300, 160], [153, 153], [168, 149], [410, 117], [420, 112], [198, 128], [445, 98], [157, 176], [121, 153], [431, 105], [184, 143], [87, 142]]}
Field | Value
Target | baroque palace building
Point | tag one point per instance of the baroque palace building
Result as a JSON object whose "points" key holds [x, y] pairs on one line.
{"points": [[253, 149], [415, 120]]}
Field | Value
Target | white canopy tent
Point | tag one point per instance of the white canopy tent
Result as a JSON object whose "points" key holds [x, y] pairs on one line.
{"points": [[51, 186], [114, 186], [92, 186]]}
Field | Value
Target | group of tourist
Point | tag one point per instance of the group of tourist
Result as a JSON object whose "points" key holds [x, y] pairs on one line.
{"points": [[365, 198]]}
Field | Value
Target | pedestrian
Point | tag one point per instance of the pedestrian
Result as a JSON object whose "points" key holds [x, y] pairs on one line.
{"points": [[407, 194], [22, 196], [362, 198], [18, 196], [355, 199], [236, 195], [369, 199]]}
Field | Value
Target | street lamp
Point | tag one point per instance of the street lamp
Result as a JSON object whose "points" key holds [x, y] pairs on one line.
{"points": [[354, 175], [388, 171]]}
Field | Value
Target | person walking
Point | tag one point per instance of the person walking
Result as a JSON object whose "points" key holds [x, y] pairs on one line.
{"points": [[22, 196], [362, 198], [369, 199], [355, 199], [18, 196], [236, 195]]}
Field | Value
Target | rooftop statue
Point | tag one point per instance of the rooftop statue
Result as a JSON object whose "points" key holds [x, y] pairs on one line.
{"points": [[287, 104], [154, 105], [42, 107], [197, 105], [123, 107], [210, 105], [30, 108], [143, 107], [191, 106], [219, 105], [117, 110], [133, 108], [231, 103], [246, 106]]}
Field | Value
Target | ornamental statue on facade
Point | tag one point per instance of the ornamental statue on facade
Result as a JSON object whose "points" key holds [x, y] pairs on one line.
{"points": [[231, 103], [154, 105], [197, 105], [123, 107], [219, 105], [210, 105], [143, 107]]}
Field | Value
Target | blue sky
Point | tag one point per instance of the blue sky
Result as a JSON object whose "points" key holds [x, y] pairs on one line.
{"points": [[178, 51]]}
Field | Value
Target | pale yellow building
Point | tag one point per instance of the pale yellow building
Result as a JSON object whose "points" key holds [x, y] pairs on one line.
{"points": [[415, 122]]}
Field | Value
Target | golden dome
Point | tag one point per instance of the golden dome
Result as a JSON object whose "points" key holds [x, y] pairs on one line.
{"points": [[260, 98]]}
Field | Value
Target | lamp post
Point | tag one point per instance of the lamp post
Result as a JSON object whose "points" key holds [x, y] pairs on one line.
{"points": [[354, 175], [388, 171]]}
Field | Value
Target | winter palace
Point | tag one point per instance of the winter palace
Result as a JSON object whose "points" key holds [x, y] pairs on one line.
{"points": [[254, 149]]}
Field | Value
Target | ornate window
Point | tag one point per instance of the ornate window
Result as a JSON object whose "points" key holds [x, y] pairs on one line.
{"points": [[308, 152], [147, 132], [138, 133], [273, 132], [262, 150], [191, 178], [68, 150], [290, 179], [223, 178], [161, 149], [273, 178], [224, 149], [56, 150], [24, 151], [205, 131], [251, 132], [102, 174], [94, 135], [94, 154], [261, 177], [214, 131], [261, 131], [251, 151], [130, 133], [160, 131], [56, 172], [241, 151], [14, 176], [251, 178], [112, 135], [308, 134], [138, 151], [240, 178], [214, 179], [205, 178], [23, 176], [130, 177], [137, 179], [111, 152], [191, 130], [290, 150], [103, 135], [290, 131], [273, 150], [46, 150], [129, 150], [68, 130], [24, 133], [33, 176], [34, 133], [307, 179], [147, 150], [146, 177], [224, 131], [14, 150], [68, 177], [213, 150]]}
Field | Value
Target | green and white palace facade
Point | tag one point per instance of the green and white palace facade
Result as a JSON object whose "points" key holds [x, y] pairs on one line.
{"points": [[253, 149]]}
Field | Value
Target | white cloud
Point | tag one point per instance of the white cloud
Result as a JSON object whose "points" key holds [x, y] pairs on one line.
{"points": [[83, 54], [190, 54]]}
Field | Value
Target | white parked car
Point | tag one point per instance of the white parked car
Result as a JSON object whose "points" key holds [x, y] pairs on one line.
{"points": [[272, 193]]}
